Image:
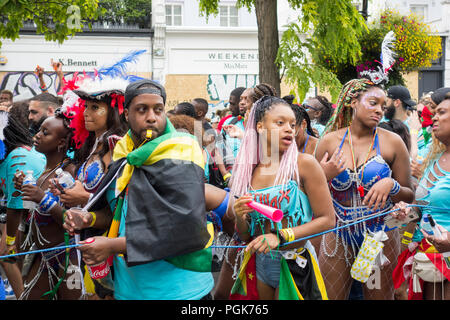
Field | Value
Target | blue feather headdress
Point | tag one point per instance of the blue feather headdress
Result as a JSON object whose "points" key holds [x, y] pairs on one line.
{"points": [[107, 80], [119, 69]]}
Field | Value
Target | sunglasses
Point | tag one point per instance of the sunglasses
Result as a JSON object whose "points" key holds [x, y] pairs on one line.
{"points": [[307, 106]]}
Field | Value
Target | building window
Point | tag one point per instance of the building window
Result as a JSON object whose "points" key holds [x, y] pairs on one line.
{"points": [[357, 5], [173, 14], [228, 16], [419, 10]]}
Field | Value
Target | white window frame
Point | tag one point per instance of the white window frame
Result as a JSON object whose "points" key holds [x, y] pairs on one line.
{"points": [[228, 16], [422, 6], [172, 15]]}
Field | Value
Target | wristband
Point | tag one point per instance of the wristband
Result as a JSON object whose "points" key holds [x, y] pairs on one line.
{"points": [[64, 215], [289, 234], [47, 203], [407, 234], [395, 188], [222, 208], [225, 177], [406, 241], [94, 218], [414, 131], [10, 240]]}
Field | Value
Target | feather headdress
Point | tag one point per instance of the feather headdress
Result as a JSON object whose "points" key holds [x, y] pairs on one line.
{"points": [[107, 82], [387, 61]]}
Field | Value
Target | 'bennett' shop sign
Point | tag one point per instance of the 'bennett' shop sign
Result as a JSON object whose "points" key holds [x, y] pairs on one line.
{"points": [[210, 61], [78, 63]]}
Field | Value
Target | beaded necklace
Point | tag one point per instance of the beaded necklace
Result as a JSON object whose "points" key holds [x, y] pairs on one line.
{"points": [[359, 186]]}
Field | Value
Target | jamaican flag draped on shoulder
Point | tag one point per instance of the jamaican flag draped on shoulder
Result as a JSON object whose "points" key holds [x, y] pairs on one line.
{"points": [[166, 200], [296, 282]]}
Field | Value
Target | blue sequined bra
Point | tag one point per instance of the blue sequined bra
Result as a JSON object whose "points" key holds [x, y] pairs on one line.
{"points": [[344, 188], [91, 175], [374, 169]]}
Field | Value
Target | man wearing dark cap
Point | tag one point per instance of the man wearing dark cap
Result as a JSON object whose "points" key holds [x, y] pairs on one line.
{"points": [[161, 238], [398, 104]]}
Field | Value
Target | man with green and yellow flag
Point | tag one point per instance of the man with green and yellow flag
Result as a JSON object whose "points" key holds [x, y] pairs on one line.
{"points": [[158, 235]]}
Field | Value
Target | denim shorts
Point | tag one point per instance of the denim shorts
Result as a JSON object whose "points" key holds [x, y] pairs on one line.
{"points": [[268, 268]]}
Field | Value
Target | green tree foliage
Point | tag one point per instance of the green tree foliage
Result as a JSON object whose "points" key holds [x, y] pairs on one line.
{"points": [[333, 24], [331, 27], [415, 48], [127, 11], [56, 20]]}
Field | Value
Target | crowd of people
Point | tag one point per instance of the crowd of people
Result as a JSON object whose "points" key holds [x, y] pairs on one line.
{"points": [[109, 195]]}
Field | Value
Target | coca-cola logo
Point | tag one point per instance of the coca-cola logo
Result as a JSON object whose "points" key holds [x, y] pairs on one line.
{"points": [[100, 272]]}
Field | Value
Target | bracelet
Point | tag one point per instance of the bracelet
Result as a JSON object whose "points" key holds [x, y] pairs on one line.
{"points": [[94, 218], [225, 177], [407, 234], [395, 188], [288, 234], [10, 240], [64, 215], [414, 131], [406, 241]]}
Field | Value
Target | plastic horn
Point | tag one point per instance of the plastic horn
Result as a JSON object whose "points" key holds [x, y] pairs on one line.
{"points": [[272, 213]]}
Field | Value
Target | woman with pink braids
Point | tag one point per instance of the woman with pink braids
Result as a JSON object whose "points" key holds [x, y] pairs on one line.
{"points": [[270, 170]]}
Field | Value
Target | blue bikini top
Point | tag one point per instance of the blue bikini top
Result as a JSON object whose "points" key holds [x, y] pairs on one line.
{"points": [[375, 169], [91, 175]]}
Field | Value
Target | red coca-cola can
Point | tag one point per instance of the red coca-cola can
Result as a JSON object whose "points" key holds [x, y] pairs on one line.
{"points": [[99, 271]]}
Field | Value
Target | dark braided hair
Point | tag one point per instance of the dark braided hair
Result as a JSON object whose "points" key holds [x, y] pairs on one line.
{"points": [[300, 115], [70, 144], [263, 89], [343, 114], [16, 135], [327, 110], [266, 103]]}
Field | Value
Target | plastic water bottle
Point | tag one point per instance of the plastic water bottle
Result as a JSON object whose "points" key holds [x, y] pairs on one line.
{"points": [[425, 224], [65, 179], [419, 159], [29, 179], [438, 234]]}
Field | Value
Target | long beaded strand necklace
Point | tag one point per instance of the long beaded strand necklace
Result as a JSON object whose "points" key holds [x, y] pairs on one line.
{"points": [[359, 186]]}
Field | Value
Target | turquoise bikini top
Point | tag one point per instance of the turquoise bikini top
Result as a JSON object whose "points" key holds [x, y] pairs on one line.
{"points": [[434, 190], [291, 200]]}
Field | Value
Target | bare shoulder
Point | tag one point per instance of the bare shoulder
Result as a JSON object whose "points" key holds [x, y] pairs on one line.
{"points": [[332, 139], [307, 164], [392, 137]]}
